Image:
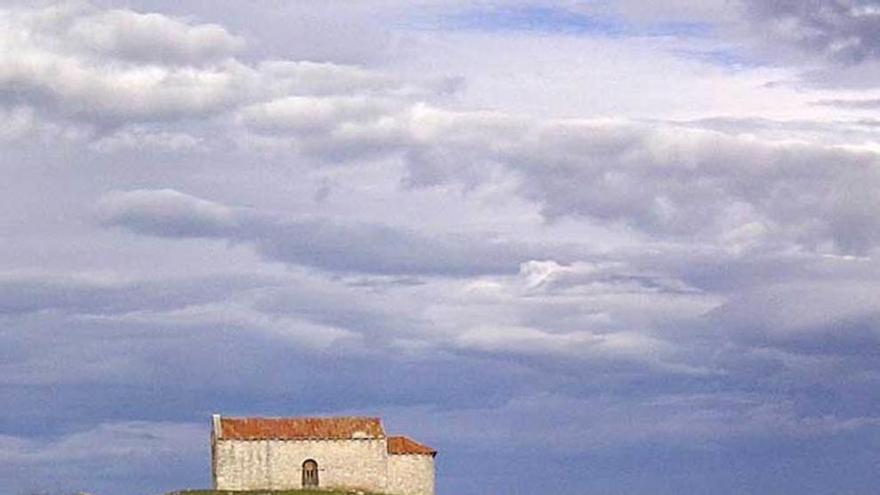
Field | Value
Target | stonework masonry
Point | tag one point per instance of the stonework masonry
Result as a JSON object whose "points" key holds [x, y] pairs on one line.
{"points": [[277, 464], [410, 474], [255, 463]]}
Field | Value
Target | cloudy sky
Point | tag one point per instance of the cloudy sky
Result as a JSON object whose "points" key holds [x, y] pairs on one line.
{"points": [[597, 246]]}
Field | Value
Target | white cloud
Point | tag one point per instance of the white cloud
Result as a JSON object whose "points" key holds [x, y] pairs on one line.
{"points": [[144, 139], [310, 115], [151, 37], [671, 181], [52, 67], [119, 66]]}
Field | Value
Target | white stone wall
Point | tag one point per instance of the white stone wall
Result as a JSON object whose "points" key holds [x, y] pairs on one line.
{"points": [[277, 464], [410, 474]]}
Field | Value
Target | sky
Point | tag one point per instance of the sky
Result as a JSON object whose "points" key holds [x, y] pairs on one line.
{"points": [[577, 246]]}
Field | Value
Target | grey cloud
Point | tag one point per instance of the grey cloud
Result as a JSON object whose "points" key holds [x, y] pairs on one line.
{"points": [[561, 424], [92, 459], [834, 312], [106, 442], [110, 349], [603, 313], [168, 213], [708, 300], [604, 297], [696, 183], [96, 294], [572, 318], [671, 181], [68, 357], [863, 104], [783, 320], [831, 42], [300, 311], [842, 31], [120, 361], [629, 352], [317, 242]]}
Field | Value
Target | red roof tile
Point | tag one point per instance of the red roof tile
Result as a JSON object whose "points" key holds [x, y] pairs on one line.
{"points": [[405, 445], [300, 428]]}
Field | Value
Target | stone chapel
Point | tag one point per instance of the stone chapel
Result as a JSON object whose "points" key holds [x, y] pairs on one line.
{"points": [[340, 452]]}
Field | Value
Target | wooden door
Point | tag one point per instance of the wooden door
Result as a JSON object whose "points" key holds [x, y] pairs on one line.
{"points": [[310, 474]]}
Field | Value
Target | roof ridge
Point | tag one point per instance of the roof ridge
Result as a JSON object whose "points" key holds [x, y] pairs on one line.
{"points": [[301, 427], [378, 418]]}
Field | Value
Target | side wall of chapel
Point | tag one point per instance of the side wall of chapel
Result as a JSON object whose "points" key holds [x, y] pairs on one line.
{"points": [[277, 464], [411, 474]]}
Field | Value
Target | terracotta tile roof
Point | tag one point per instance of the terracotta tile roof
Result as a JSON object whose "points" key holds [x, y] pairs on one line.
{"points": [[300, 428], [405, 445]]}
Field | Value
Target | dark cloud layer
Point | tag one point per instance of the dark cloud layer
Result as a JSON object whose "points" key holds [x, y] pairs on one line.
{"points": [[841, 31], [833, 43], [319, 242]]}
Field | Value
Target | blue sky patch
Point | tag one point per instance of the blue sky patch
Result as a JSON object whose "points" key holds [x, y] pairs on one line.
{"points": [[554, 20]]}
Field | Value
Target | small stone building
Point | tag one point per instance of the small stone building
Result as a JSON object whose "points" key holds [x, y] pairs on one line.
{"points": [[292, 453]]}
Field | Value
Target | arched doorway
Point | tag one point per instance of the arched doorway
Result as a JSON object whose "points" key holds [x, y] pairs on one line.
{"points": [[310, 474]]}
